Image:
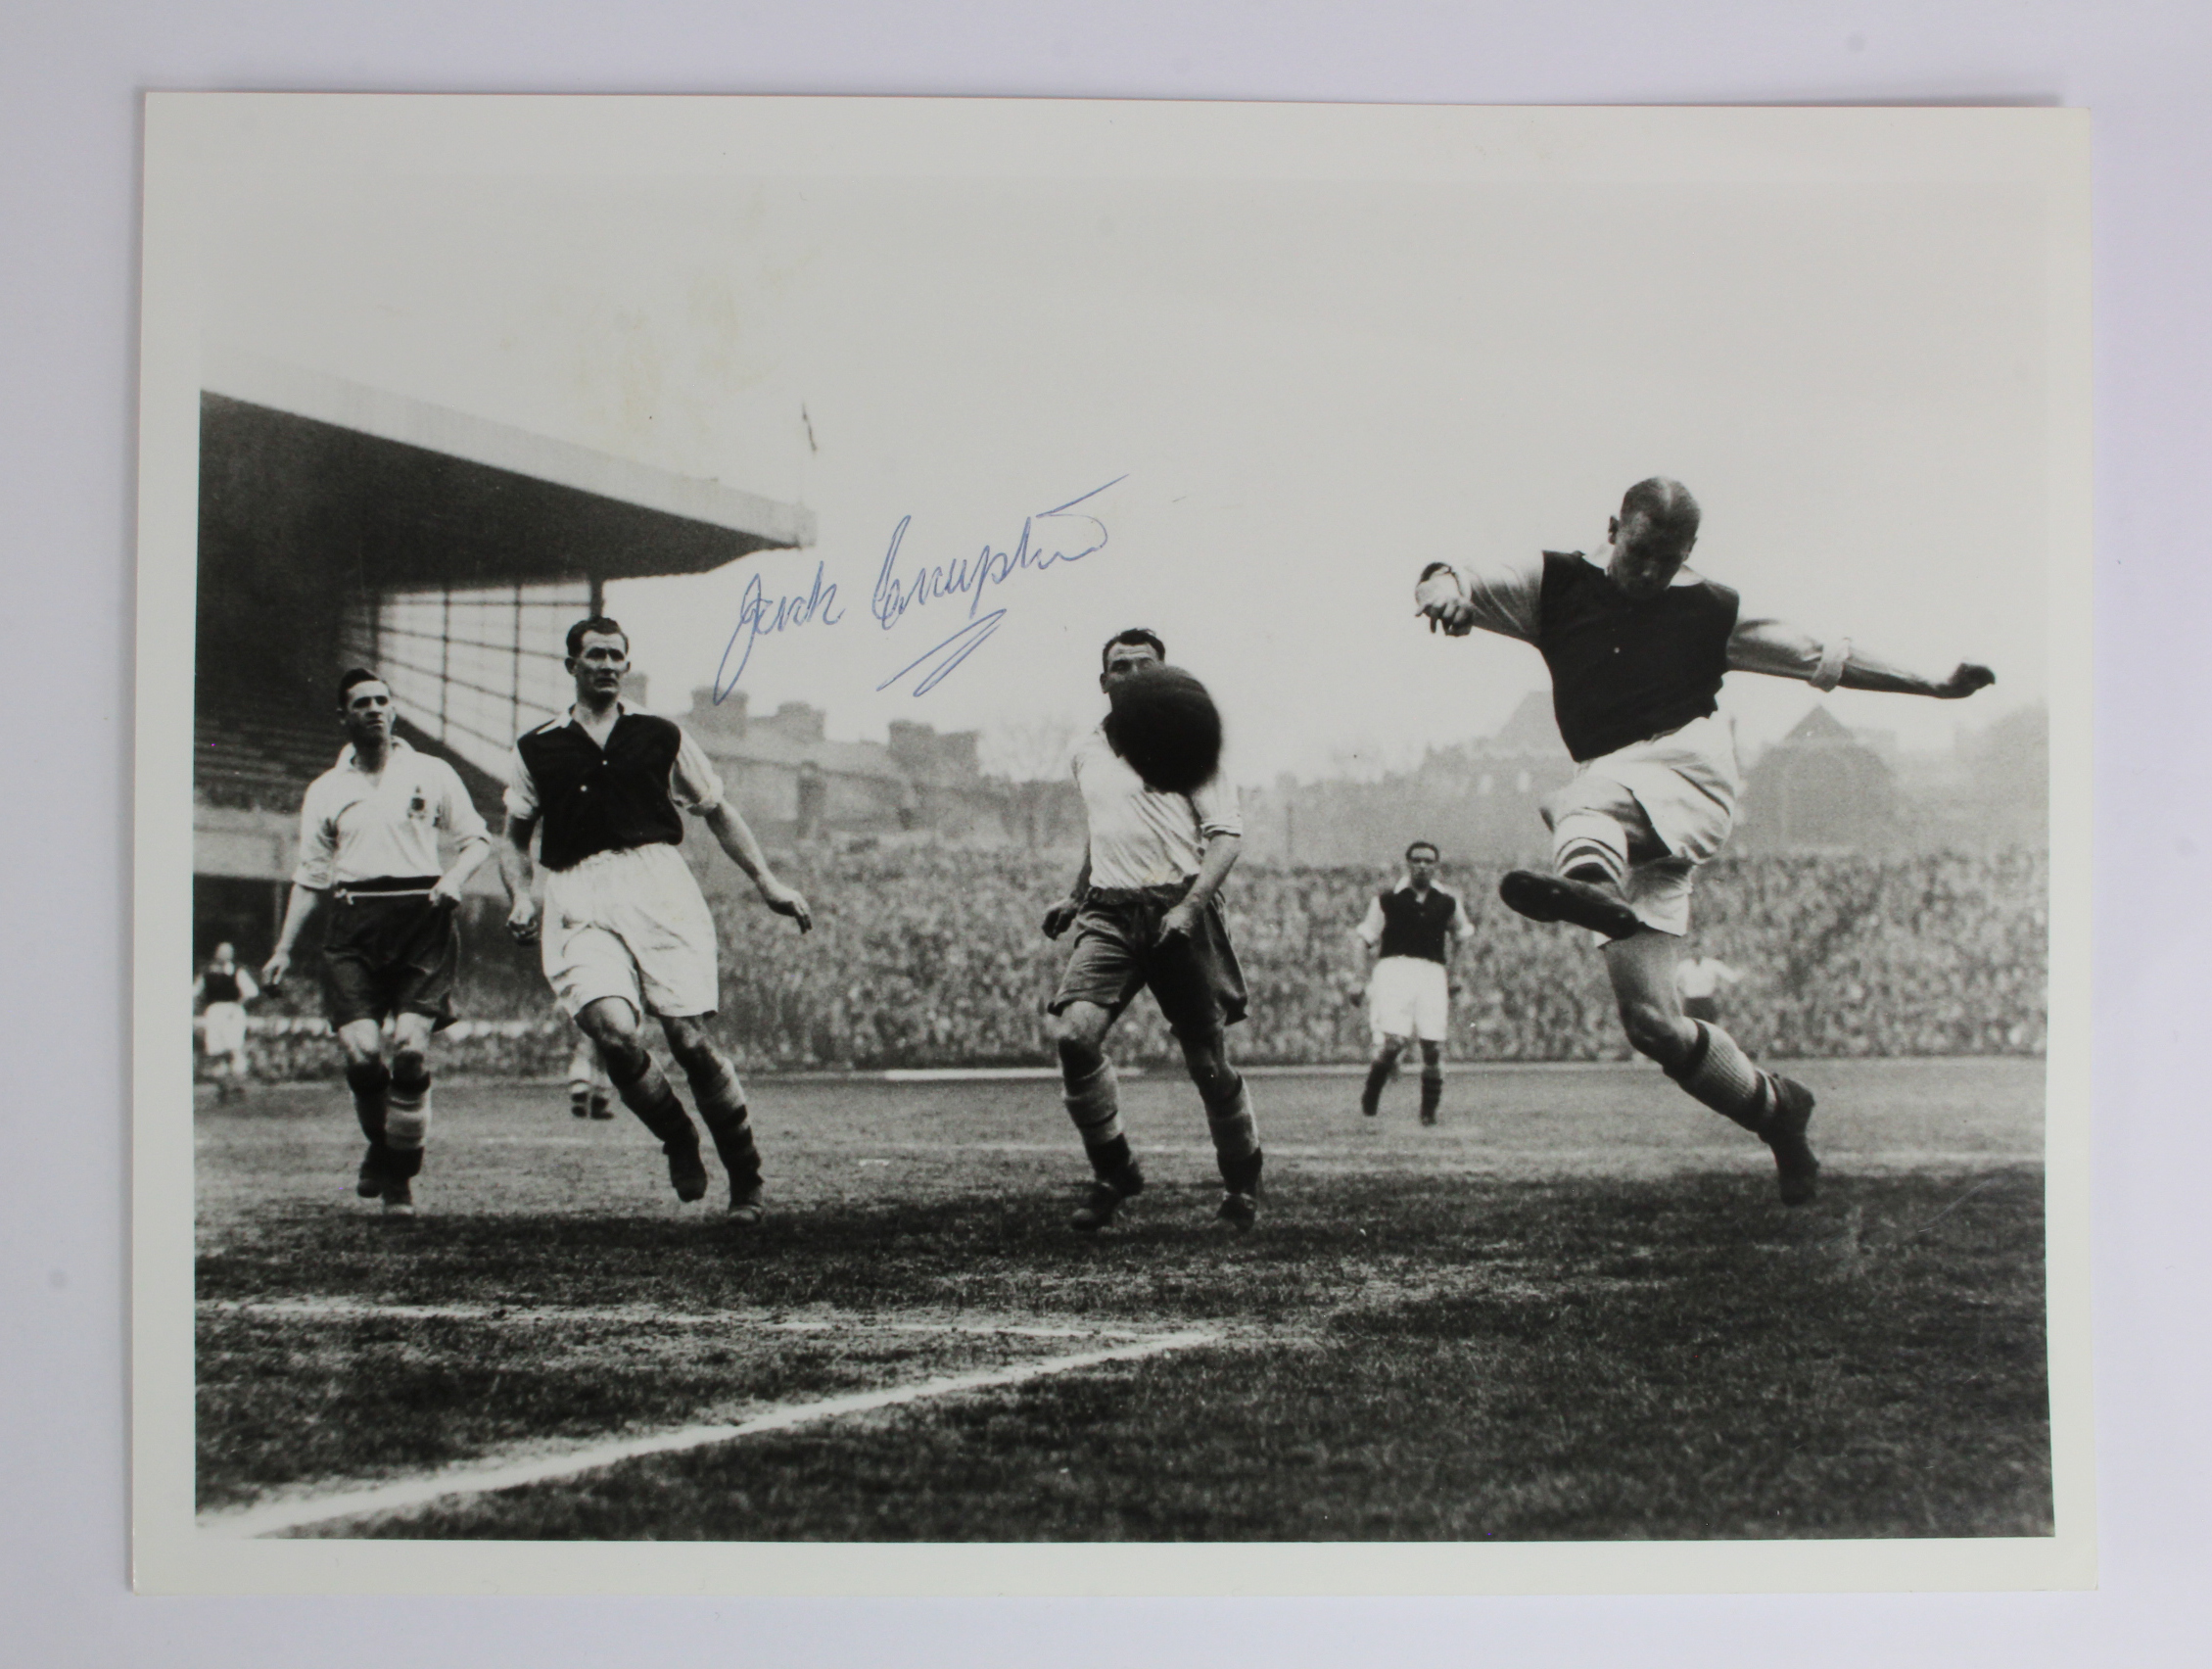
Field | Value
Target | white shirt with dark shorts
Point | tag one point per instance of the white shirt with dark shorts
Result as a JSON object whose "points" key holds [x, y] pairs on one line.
{"points": [[1145, 849], [630, 922], [371, 841]]}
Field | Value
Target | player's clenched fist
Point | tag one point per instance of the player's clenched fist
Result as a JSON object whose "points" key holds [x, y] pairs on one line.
{"points": [[1964, 680], [1441, 599], [521, 921], [1061, 917]]}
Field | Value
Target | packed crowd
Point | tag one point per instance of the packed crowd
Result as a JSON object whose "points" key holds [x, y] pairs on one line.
{"points": [[933, 957]]}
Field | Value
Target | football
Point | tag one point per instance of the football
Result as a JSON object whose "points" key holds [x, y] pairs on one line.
{"points": [[1167, 729]]}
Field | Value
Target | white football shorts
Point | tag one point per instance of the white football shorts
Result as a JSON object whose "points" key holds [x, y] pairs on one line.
{"points": [[632, 924], [1409, 996], [223, 1029], [1669, 801]]}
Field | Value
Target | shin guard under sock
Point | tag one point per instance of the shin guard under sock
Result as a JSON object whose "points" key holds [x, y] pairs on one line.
{"points": [[1094, 1106], [1721, 1075], [649, 1096], [1378, 1074], [370, 1082], [1235, 1137], [406, 1115], [721, 1109]]}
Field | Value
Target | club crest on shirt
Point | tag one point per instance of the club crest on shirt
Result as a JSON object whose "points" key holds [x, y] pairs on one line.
{"points": [[418, 807]]}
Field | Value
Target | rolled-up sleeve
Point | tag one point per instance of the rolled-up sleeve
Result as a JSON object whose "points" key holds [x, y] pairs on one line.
{"points": [[1779, 649], [462, 820], [1217, 808], [522, 790], [1507, 599], [692, 780], [1371, 925], [318, 845]]}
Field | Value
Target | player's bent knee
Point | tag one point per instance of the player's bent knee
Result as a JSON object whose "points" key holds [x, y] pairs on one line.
{"points": [[1078, 1056], [1651, 1031], [410, 1071]]}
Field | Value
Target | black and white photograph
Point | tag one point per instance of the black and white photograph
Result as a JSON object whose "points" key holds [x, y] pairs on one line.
{"points": [[961, 846]]}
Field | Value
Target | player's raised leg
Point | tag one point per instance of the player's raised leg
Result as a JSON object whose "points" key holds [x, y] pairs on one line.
{"points": [[1707, 1063], [720, 1097], [1593, 820], [612, 1023], [1092, 1100]]}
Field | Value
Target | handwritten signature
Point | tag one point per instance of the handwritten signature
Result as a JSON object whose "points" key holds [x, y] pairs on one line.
{"points": [[1035, 551], [1050, 537], [758, 618]]}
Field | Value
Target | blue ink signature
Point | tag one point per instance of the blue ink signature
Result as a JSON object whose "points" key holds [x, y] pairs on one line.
{"points": [[955, 649], [1035, 551], [758, 617]]}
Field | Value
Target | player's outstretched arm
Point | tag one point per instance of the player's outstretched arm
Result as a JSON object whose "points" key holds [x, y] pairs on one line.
{"points": [[736, 836], [1863, 670], [1779, 649], [299, 910]]}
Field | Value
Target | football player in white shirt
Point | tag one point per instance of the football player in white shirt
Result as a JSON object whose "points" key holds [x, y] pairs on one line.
{"points": [[1146, 912], [369, 831]]}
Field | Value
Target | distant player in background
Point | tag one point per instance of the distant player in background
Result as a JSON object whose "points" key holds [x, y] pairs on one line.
{"points": [[369, 829], [1412, 929], [226, 988], [1146, 912], [626, 933], [590, 1092], [1637, 645], [1701, 979]]}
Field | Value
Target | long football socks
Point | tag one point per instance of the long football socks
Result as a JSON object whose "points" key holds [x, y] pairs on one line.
{"points": [[1093, 1100], [715, 1086], [1379, 1072], [1236, 1138], [407, 1119], [1718, 1072], [1432, 1090], [646, 1093]]}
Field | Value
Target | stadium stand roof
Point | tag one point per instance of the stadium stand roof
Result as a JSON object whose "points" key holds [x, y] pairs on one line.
{"points": [[381, 491]]}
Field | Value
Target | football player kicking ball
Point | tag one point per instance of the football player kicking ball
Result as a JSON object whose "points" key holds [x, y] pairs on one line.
{"points": [[1637, 645], [1164, 831]]}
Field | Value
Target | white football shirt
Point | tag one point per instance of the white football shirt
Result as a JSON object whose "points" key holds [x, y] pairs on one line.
{"points": [[1139, 835]]}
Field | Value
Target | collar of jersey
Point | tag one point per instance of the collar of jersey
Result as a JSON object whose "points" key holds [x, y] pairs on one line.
{"points": [[392, 744]]}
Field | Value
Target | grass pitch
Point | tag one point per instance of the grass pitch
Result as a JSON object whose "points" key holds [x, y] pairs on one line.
{"points": [[1575, 1310]]}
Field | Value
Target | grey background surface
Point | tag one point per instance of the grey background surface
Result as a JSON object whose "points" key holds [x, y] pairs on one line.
{"points": [[69, 79]]}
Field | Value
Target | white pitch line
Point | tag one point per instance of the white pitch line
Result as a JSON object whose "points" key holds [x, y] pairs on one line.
{"points": [[481, 1480], [555, 1315]]}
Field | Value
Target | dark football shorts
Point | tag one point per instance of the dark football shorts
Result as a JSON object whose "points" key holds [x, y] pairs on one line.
{"points": [[1118, 952], [386, 955], [1701, 1008]]}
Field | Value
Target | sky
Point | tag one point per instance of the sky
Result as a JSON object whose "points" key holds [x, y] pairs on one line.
{"points": [[1276, 400]]}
